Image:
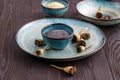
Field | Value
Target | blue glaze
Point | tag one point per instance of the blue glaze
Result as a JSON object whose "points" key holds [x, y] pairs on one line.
{"points": [[88, 9], [57, 43], [55, 12]]}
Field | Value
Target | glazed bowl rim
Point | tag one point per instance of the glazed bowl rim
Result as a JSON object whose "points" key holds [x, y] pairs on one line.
{"points": [[67, 5], [70, 35]]}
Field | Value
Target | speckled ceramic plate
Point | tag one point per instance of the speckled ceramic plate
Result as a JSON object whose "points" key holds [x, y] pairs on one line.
{"points": [[88, 10], [28, 33]]}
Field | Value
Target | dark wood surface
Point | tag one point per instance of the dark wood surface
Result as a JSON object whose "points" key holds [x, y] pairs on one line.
{"points": [[15, 64]]}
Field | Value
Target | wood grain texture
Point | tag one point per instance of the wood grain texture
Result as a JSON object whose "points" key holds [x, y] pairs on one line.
{"points": [[112, 50], [15, 64]]}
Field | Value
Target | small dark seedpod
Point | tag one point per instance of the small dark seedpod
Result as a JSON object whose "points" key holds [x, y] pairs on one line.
{"points": [[76, 38], [106, 18], [80, 48], [85, 36], [39, 42], [81, 43], [99, 14], [40, 52]]}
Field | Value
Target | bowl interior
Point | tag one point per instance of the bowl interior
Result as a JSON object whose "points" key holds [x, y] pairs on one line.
{"points": [[57, 26], [90, 8], [64, 2]]}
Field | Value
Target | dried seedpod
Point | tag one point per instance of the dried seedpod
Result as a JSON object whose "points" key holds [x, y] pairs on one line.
{"points": [[85, 34], [81, 42], [39, 42], [41, 51], [69, 69], [76, 38], [82, 48], [106, 18], [99, 13]]}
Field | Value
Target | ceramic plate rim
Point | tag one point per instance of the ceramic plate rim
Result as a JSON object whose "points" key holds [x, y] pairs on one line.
{"points": [[94, 18], [63, 59]]}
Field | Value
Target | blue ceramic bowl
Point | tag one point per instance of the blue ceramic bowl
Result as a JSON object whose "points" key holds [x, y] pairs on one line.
{"points": [[57, 11], [54, 42], [88, 10]]}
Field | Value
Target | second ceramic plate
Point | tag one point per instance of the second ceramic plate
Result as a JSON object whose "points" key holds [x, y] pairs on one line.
{"points": [[28, 33], [88, 10]]}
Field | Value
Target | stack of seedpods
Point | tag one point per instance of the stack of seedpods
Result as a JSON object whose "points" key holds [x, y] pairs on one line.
{"points": [[80, 39], [99, 15], [40, 42]]}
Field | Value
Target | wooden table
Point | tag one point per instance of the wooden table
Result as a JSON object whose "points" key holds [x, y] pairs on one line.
{"points": [[15, 64]]}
